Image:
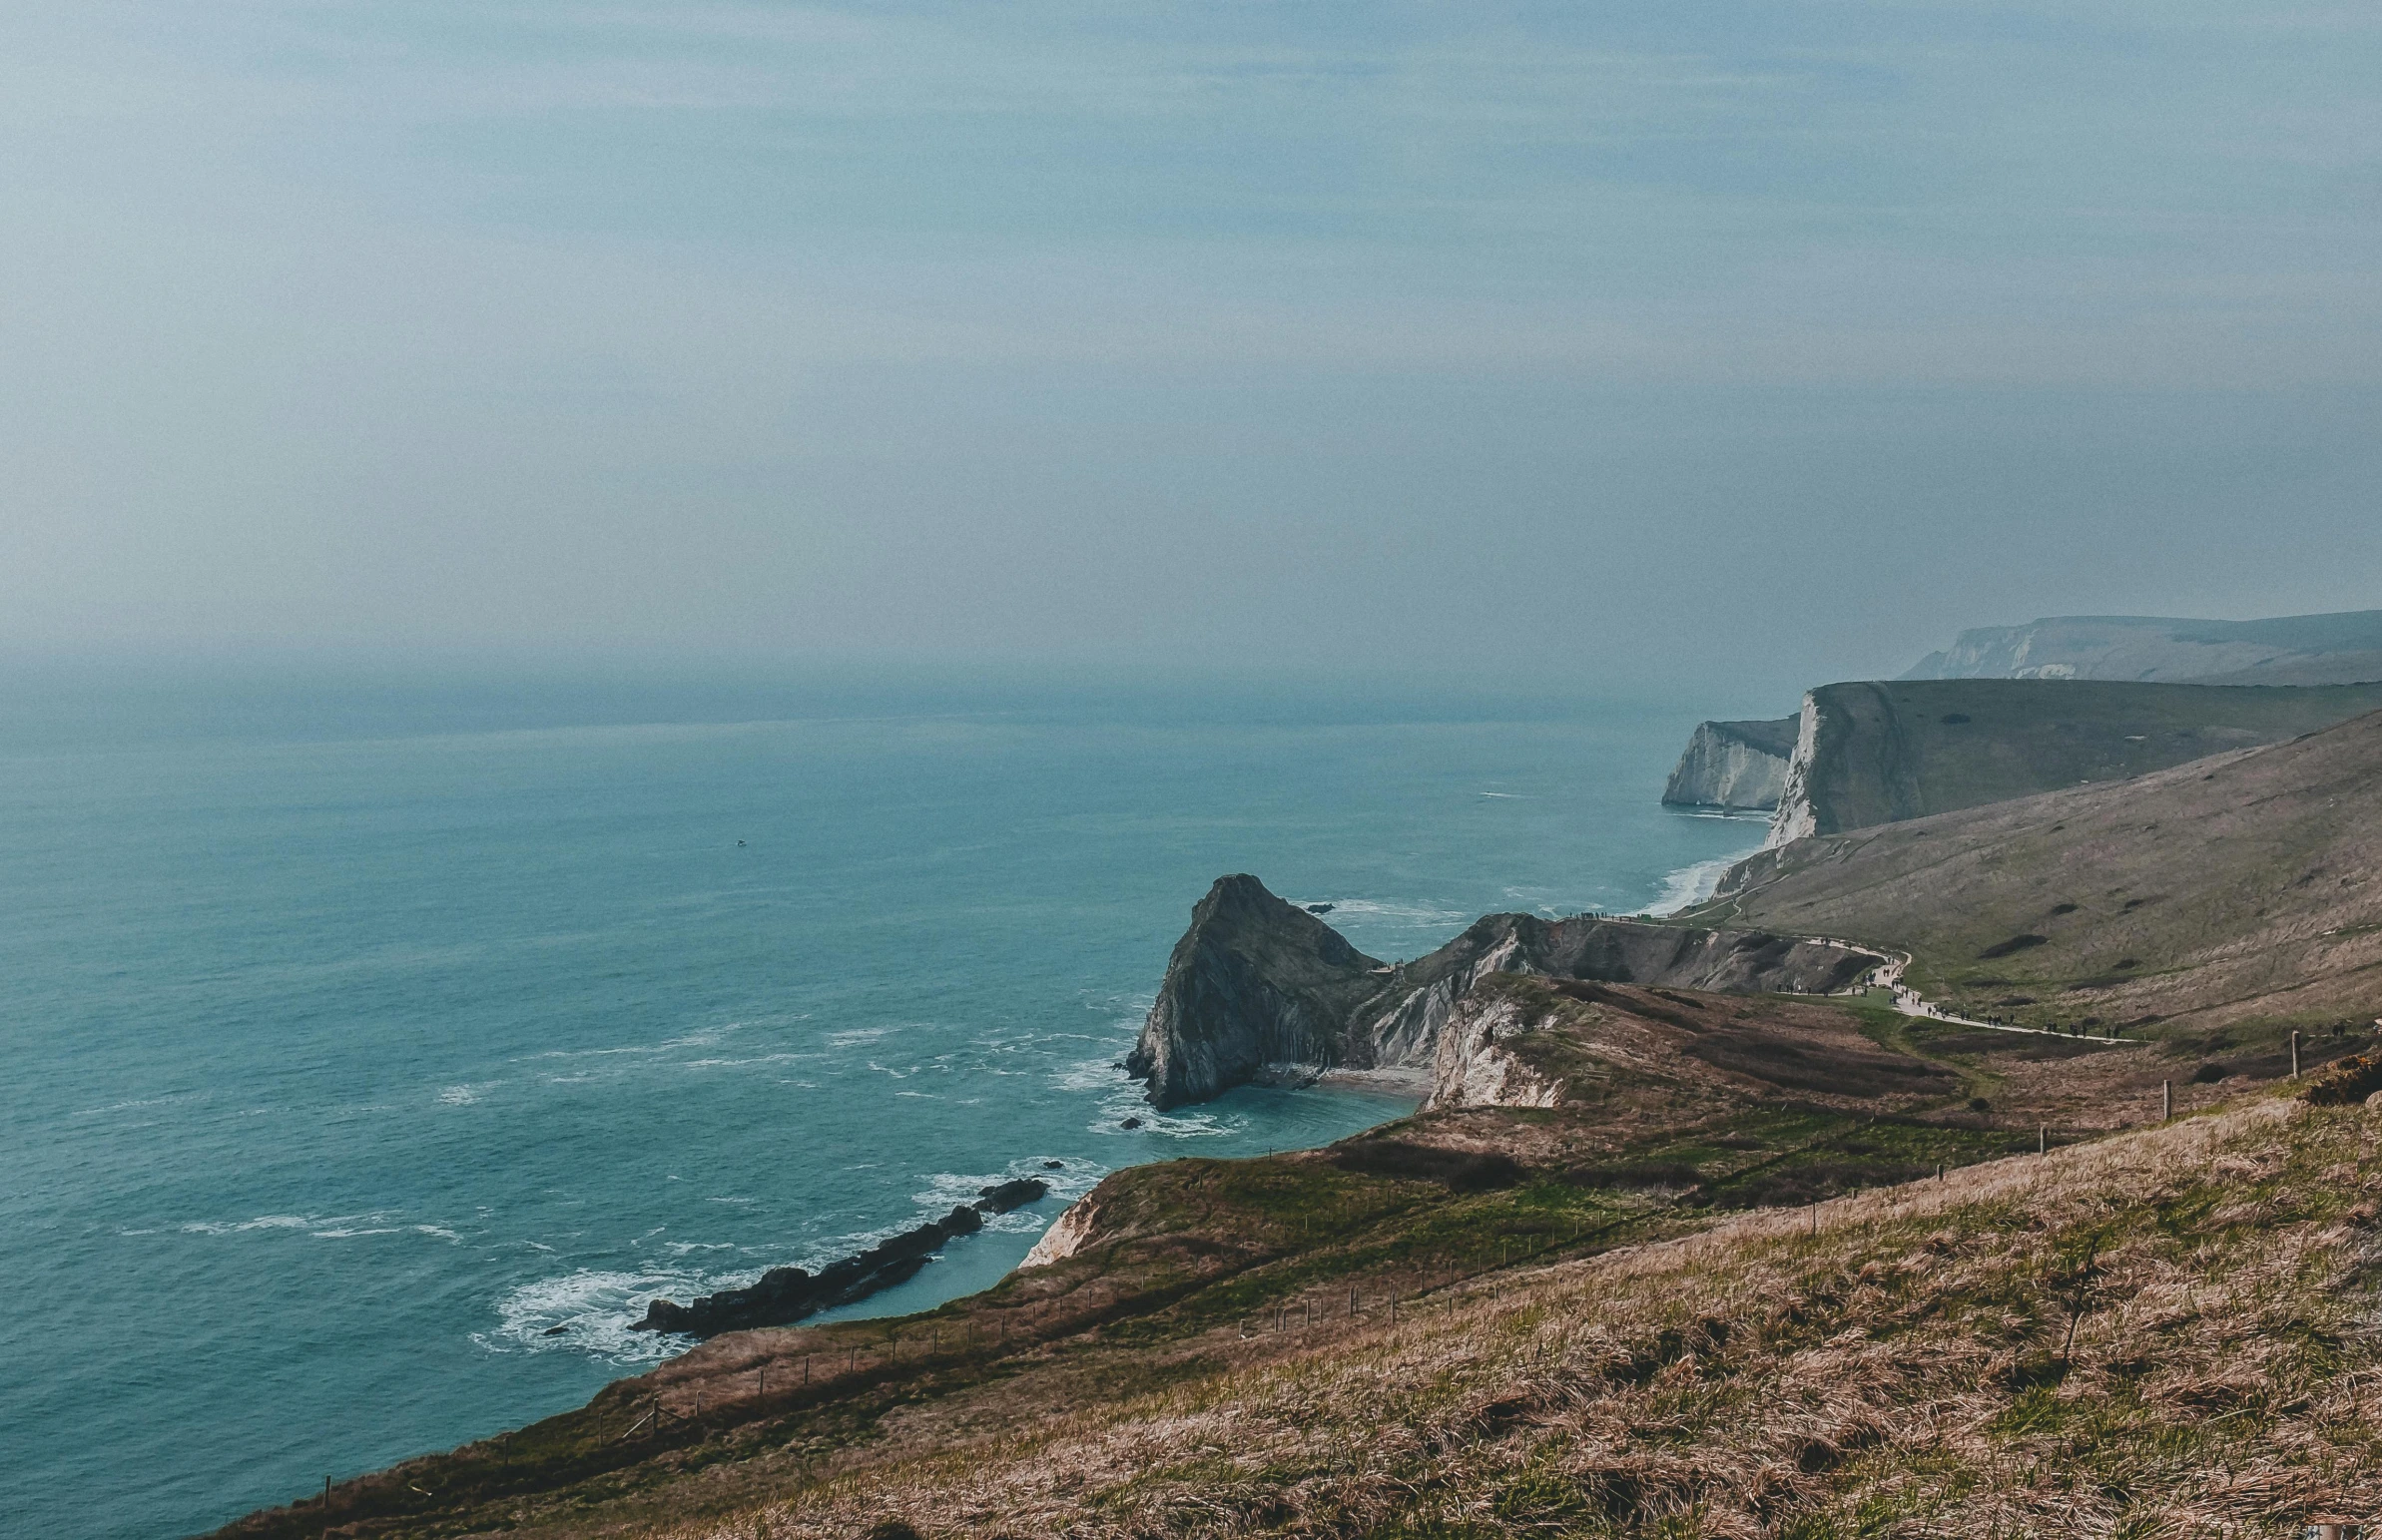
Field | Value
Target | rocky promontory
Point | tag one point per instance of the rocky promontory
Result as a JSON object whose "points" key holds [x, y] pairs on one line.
{"points": [[784, 1296], [1258, 989], [1738, 764]]}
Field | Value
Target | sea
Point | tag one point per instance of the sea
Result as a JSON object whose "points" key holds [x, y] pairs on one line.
{"points": [[377, 1043]]}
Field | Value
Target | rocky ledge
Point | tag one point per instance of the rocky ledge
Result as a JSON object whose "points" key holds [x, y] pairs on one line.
{"points": [[1259, 989], [784, 1296]]}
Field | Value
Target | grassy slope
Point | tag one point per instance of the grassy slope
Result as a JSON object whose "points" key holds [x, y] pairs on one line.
{"points": [[1207, 1271], [2167, 1333], [1910, 748], [2219, 901]]}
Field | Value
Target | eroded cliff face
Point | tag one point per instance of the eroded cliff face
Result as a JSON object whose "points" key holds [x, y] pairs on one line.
{"points": [[1733, 764], [1255, 987], [1258, 989], [1477, 1065], [1872, 753], [1795, 815]]}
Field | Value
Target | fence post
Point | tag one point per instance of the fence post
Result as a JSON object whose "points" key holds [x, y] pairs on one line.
{"points": [[2167, 1100], [2296, 1054], [2042, 1137]]}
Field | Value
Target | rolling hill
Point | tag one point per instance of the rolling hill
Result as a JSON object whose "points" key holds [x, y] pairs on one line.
{"points": [[2241, 890]]}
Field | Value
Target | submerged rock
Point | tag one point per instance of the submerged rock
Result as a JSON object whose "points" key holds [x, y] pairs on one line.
{"points": [[783, 1295], [1013, 1195]]}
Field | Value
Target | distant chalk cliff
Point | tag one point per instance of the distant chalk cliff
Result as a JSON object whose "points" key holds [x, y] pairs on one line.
{"points": [[1876, 752], [1741, 764], [2287, 650]]}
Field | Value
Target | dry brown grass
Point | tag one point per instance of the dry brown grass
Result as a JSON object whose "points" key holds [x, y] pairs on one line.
{"points": [[2165, 1333]]}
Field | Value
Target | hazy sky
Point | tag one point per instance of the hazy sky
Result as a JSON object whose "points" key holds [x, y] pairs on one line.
{"points": [[1597, 339]]}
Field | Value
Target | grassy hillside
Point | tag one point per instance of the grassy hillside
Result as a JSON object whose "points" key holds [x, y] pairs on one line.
{"points": [[1604, 1314], [2167, 1331], [2217, 902], [2166, 1335], [1886, 751]]}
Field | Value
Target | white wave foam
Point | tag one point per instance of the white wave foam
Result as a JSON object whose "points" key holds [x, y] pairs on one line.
{"points": [[352, 1232], [945, 1189], [150, 1101], [1693, 885], [265, 1222], [1099, 1074], [1373, 910], [595, 1308], [464, 1096]]}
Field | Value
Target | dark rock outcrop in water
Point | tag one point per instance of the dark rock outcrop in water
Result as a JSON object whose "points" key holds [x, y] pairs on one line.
{"points": [[1258, 989], [1733, 764], [784, 1296], [1254, 981]]}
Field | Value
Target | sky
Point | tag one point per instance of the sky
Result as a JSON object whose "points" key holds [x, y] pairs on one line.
{"points": [[1590, 342]]}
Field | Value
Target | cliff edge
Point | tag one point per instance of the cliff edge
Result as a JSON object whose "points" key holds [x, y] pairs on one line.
{"points": [[1876, 752], [1733, 764]]}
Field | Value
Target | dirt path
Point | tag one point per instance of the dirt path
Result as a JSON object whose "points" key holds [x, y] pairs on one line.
{"points": [[1911, 1003]]}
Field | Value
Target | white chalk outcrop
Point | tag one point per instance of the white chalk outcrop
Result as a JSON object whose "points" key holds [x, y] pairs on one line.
{"points": [[1066, 1235], [1736, 764], [1476, 1066], [1796, 818]]}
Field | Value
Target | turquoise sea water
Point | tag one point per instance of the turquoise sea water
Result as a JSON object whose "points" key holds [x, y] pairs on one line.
{"points": [[353, 1047]]}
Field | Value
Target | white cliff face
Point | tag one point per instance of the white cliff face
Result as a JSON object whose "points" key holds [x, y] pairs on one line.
{"points": [[1066, 1237], [1796, 818], [1474, 1068], [1723, 770], [1410, 1036]]}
